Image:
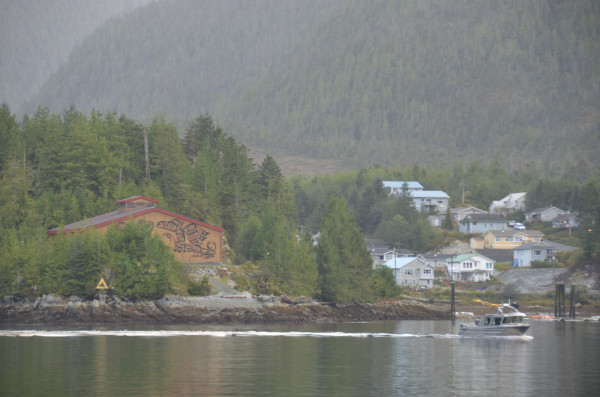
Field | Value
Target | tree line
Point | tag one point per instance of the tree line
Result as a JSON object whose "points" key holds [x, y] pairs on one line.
{"points": [[58, 169]]}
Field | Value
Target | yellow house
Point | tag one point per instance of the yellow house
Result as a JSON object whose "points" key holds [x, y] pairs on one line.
{"points": [[510, 239], [189, 239]]}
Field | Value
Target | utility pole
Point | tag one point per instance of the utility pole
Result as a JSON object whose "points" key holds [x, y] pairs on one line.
{"points": [[146, 154]]}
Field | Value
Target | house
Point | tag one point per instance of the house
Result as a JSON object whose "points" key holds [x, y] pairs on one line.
{"points": [[395, 187], [189, 239], [565, 221], [510, 239], [381, 252], [511, 203], [481, 223], [458, 214], [411, 272], [470, 267], [544, 214], [544, 251], [430, 200]]}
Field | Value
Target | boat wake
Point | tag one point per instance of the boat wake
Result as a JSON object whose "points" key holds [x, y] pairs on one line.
{"points": [[224, 334]]}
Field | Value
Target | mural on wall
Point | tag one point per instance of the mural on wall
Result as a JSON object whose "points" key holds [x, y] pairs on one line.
{"points": [[186, 237]]}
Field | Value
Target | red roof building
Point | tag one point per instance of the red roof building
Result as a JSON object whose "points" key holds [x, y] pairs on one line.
{"points": [[190, 239]]}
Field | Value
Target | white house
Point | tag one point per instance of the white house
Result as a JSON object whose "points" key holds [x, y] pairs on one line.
{"points": [[544, 214], [470, 267], [511, 203], [430, 200], [395, 187], [411, 272], [524, 254], [544, 251]]}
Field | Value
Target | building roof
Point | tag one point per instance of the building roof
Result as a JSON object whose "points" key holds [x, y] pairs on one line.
{"points": [[564, 217], [498, 255], [546, 244], [399, 184], [120, 216], [436, 257], [513, 232], [464, 257], [484, 217], [534, 245], [463, 209], [542, 210], [136, 198], [428, 194], [397, 263]]}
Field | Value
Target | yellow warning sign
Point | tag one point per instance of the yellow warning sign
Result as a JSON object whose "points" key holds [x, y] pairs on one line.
{"points": [[102, 284]]}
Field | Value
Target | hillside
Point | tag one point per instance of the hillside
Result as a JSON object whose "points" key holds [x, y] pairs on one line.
{"points": [[361, 82], [37, 37]]}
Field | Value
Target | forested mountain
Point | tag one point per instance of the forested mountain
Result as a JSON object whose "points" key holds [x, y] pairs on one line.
{"points": [[378, 81], [37, 37]]}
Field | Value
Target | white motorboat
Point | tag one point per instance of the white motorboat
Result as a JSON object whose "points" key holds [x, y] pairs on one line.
{"points": [[506, 321]]}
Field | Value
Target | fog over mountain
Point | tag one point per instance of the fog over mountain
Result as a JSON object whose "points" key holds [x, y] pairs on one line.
{"points": [[363, 82], [37, 37]]}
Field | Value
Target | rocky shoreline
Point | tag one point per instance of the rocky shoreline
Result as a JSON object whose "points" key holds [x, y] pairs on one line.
{"points": [[239, 309]]}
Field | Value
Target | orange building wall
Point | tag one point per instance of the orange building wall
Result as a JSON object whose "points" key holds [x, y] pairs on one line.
{"points": [[189, 241]]}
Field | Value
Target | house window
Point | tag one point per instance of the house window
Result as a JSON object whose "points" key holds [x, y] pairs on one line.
{"points": [[537, 253], [498, 239], [414, 282], [408, 272], [489, 265], [426, 271], [518, 238], [509, 239]]}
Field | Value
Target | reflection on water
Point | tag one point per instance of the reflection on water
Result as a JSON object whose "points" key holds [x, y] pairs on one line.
{"points": [[357, 359]]}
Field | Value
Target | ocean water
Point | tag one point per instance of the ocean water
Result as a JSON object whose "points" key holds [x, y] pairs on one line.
{"points": [[399, 358]]}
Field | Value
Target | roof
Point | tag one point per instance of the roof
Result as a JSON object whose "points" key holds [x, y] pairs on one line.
{"points": [[546, 244], [436, 257], [133, 198], [428, 193], [498, 255], [399, 184], [118, 216], [397, 263], [533, 245], [512, 232], [464, 257], [514, 196], [484, 217], [542, 210], [564, 217], [463, 209]]}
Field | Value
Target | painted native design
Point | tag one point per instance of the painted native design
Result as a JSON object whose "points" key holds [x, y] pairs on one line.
{"points": [[188, 238]]}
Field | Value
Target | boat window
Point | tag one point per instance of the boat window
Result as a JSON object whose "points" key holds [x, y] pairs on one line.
{"points": [[520, 319], [506, 320], [498, 321], [486, 321]]}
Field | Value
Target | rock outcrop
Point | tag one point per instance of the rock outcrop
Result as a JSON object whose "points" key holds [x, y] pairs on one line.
{"points": [[239, 309]]}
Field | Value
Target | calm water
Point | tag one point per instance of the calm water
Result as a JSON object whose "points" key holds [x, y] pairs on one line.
{"points": [[406, 358]]}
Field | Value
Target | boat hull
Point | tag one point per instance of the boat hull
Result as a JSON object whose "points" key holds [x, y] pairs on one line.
{"points": [[503, 330]]}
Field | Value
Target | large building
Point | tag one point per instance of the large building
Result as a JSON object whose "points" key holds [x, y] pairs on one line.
{"points": [[190, 239]]}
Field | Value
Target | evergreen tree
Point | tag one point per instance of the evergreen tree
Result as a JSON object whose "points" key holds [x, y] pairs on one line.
{"points": [[343, 260], [447, 223]]}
